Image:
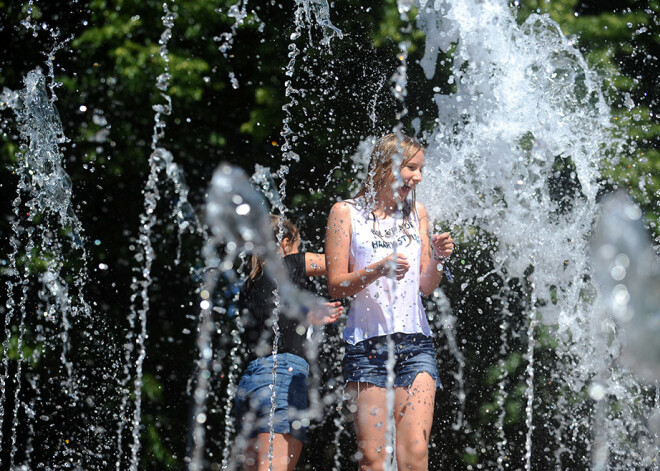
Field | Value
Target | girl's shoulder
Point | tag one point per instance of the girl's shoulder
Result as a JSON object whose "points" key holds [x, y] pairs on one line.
{"points": [[342, 206], [295, 267], [295, 259], [346, 207], [420, 210], [360, 205]]}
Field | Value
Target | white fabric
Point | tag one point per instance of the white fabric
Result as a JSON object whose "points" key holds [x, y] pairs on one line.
{"points": [[385, 306]]}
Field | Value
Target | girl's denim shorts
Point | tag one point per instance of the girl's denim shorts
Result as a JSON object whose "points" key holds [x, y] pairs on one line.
{"points": [[365, 362], [253, 397]]}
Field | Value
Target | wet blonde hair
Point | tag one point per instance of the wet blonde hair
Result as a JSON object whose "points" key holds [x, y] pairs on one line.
{"points": [[381, 162], [381, 169], [280, 226]]}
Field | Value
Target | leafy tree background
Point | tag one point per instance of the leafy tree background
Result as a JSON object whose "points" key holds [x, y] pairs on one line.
{"points": [[107, 72]]}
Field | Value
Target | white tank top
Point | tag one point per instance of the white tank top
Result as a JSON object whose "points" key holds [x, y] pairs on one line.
{"points": [[385, 306]]}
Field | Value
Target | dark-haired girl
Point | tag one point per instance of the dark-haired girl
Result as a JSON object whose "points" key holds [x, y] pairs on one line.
{"points": [[253, 396]]}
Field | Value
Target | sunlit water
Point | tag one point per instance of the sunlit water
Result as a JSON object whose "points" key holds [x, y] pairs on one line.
{"points": [[526, 111]]}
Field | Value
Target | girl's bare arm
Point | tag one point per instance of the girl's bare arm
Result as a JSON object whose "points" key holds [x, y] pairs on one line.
{"points": [[341, 281]]}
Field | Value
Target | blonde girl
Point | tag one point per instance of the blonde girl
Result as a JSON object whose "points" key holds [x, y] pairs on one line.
{"points": [[379, 252]]}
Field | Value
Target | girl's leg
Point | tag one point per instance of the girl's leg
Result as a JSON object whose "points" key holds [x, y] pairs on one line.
{"points": [[368, 404], [413, 413], [286, 452]]}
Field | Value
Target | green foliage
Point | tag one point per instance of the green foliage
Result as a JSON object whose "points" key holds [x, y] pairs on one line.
{"points": [[471, 458], [394, 28], [156, 452], [30, 351], [152, 388], [507, 368]]}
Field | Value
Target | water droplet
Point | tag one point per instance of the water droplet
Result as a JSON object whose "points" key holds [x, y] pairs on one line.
{"points": [[243, 209], [632, 211], [618, 273], [623, 260], [596, 391]]}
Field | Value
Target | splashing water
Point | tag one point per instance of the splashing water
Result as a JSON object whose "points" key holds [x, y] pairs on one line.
{"points": [[305, 11], [44, 191], [263, 179], [525, 109], [320, 11], [238, 12], [521, 112]]}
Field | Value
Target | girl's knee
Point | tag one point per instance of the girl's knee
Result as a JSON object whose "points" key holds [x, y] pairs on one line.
{"points": [[412, 455], [372, 459]]}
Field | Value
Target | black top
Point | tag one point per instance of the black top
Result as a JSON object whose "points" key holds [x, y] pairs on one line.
{"points": [[256, 304]]}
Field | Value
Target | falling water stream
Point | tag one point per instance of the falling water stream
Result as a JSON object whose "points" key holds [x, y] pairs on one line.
{"points": [[525, 107], [142, 282], [161, 163], [44, 191]]}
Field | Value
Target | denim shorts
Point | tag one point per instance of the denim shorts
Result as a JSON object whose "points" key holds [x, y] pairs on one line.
{"points": [[365, 362], [253, 397]]}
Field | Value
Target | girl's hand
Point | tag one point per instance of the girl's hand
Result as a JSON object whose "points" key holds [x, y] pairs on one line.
{"points": [[327, 316], [443, 245], [394, 266]]}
